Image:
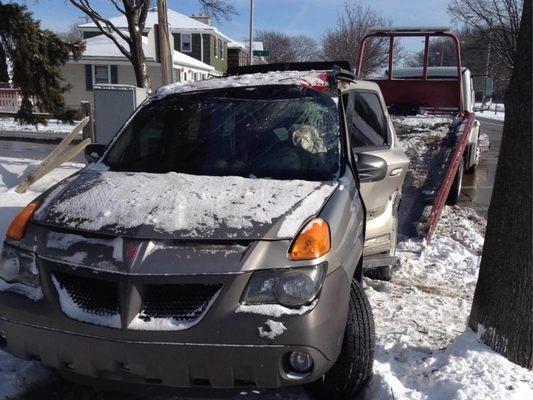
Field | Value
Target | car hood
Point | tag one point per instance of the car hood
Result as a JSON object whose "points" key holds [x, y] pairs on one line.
{"points": [[181, 206]]}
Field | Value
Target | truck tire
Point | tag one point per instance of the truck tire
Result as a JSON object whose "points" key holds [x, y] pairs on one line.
{"points": [[455, 190], [353, 367]]}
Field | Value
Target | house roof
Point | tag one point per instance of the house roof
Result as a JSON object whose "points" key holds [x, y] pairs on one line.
{"points": [[176, 22], [244, 45], [103, 47]]}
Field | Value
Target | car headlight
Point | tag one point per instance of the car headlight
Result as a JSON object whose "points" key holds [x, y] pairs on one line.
{"points": [[18, 266], [291, 287]]}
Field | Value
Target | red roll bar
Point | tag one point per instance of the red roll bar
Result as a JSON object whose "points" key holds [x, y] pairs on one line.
{"points": [[398, 91]]}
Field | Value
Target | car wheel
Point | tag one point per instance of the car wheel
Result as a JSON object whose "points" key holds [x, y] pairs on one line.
{"points": [[455, 190], [354, 365]]}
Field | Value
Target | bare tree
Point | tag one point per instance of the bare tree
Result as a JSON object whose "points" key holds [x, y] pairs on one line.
{"points": [[72, 34], [496, 21], [285, 48], [503, 300], [353, 23], [305, 48], [441, 53], [476, 55], [130, 43]]}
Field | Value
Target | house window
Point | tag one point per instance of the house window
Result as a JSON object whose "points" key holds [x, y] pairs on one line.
{"points": [[195, 76], [185, 77], [220, 49], [186, 42], [101, 74], [216, 48]]}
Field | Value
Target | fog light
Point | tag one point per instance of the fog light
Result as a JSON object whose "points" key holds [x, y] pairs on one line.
{"points": [[300, 362]]}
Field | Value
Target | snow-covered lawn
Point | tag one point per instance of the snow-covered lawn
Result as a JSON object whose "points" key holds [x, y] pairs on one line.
{"points": [[423, 350], [54, 130]]}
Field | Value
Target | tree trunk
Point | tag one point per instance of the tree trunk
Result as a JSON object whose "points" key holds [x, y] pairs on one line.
{"points": [[503, 300], [138, 59], [139, 66]]}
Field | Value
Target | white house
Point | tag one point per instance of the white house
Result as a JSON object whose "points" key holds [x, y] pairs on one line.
{"points": [[193, 36], [102, 62]]}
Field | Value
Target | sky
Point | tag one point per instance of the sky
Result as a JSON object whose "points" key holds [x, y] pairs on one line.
{"points": [[294, 17]]}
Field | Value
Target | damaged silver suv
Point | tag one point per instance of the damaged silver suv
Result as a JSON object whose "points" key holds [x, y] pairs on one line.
{"points": [[215, 243]]}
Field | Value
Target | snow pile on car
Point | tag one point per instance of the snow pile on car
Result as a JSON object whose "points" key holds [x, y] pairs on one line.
{"points": [[306, 78], [189, 205]]}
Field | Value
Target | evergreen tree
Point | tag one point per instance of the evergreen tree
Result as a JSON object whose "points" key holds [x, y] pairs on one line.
{"points": [[36, 56], [4, 76]]}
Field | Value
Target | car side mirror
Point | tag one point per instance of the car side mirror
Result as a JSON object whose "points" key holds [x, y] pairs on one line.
{"points": [[371, 168], [94, 151]]}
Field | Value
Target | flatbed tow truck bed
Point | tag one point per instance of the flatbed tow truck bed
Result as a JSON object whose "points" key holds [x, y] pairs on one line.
{"points": [[428, 141]]}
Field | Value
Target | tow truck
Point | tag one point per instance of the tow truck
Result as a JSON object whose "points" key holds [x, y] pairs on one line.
{"points": [[432, 109]]}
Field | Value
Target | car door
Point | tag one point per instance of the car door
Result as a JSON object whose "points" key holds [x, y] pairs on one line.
{"points": [[374, 141]]}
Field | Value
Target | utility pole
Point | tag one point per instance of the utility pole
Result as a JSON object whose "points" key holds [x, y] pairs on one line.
{"points": [[250, 50], [164, 45]]}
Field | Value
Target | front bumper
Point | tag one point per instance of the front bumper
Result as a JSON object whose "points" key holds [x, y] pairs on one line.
{"points": [[223, 350]]}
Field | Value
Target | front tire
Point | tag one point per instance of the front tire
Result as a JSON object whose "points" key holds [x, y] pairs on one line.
{"points": [[354, 365]]}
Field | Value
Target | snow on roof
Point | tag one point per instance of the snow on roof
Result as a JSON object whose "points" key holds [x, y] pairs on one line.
{"points": [[176, 21], [307, 78], [244, 45], [183, 59], [101, 46]]}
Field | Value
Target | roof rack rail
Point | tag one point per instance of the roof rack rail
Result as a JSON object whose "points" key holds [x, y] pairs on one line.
{"points": [[341, 66]]}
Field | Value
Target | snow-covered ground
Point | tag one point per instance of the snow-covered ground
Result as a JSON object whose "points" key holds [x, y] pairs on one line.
{"points": [[54, 130], [496, 112], [423, 350]]}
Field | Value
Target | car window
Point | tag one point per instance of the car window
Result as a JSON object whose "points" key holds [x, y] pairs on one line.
{"points": [[281, 132], [368, 122]]}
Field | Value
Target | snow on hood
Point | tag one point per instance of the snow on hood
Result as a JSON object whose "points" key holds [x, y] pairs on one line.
{"points": [[308, 78], [175, 205]]}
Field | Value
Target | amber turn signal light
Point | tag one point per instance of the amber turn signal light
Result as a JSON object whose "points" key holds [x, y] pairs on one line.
{"points": [[312, 242], [18, 225]]}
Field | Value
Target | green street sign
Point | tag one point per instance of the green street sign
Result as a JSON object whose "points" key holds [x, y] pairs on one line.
{"points": [[261, 53]]}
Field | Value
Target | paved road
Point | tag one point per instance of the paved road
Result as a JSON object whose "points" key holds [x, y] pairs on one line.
{"points": [[477, 188]]}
